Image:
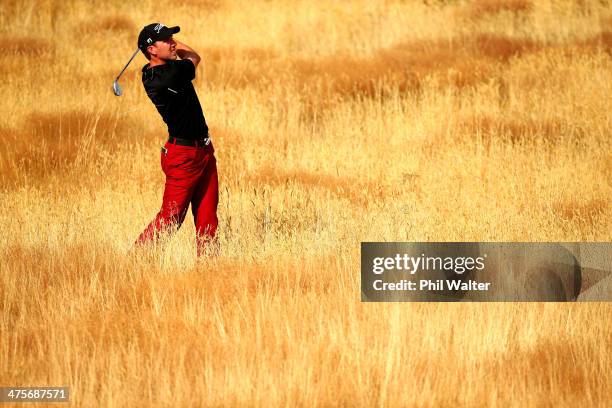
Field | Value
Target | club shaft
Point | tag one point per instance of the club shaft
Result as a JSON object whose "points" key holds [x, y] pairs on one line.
{"points": [[128, 63]]}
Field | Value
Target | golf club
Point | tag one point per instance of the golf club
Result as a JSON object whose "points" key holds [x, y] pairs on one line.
{"points": [[116, 87]]}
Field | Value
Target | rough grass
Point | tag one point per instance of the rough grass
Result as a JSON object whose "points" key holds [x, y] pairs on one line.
{"points": [[357, 121]]}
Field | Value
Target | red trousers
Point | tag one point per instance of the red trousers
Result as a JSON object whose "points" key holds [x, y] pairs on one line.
{"points": [[191, 178]]}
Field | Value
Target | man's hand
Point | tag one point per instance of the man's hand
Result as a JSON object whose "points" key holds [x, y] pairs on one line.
{"points": [[186, 52]]}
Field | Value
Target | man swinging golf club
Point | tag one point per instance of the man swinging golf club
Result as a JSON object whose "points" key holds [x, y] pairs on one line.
{"points": [[187, 158]]}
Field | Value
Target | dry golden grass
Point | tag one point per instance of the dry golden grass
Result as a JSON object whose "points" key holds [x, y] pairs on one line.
{"points": [[480, 8], [333, 123]]}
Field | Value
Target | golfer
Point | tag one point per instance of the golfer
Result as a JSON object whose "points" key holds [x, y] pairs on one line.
{"points": [[187, 158]]}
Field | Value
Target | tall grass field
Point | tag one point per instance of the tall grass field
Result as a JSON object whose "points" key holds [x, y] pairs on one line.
{"points": [[334, 123]]}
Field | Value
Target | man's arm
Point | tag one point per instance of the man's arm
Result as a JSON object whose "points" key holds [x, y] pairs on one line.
{"points": [[186, 52]]}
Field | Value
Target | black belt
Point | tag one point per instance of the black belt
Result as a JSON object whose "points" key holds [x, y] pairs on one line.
{"points": [[189, 142]]}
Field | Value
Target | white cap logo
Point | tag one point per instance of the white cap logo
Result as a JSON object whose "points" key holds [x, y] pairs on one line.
{"points": [[158, 28]]}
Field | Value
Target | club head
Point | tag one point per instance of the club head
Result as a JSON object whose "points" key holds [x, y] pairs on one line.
{"points": [[116, 88]]}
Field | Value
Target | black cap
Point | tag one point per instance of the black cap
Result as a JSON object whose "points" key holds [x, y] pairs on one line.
{"points": [[154, 32]]}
